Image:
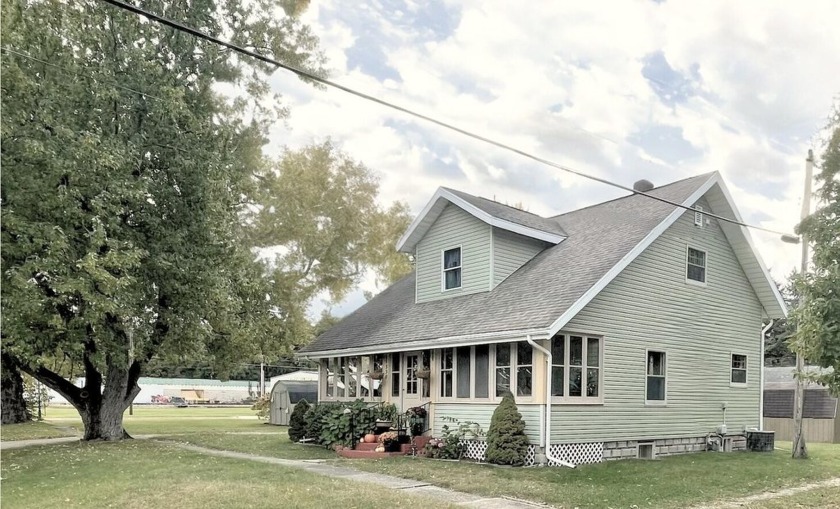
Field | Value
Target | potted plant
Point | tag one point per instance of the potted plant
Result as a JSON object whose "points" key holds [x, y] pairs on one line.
{"points": [[390, 441], [423, 373], [416, 420]]}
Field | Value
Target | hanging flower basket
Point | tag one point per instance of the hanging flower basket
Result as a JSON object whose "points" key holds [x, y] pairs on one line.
{"points": [[423, 373], [376, 375]]}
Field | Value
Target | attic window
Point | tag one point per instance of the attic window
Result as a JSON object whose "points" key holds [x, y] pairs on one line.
{"points": [[696, 265], [452, 268], [698, 216]]}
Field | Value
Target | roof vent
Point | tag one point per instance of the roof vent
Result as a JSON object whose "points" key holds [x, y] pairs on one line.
{"points": [[643, 186]]}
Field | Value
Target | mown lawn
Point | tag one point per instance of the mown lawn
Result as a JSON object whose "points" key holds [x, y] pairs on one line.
{"points": [[32, 430], [273, 442], [677, 481], [141, 474], [823, 498], [147, 420]]}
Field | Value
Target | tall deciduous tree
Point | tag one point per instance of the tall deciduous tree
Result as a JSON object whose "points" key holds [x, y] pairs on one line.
{"points": [[318, 219], [818, 319], [124, 177]]}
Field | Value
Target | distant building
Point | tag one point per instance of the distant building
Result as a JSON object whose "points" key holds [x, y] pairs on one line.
{"points": [[819, 413]]}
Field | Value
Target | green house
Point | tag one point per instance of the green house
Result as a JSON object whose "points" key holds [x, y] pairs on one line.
{"points": [[631, 328]]}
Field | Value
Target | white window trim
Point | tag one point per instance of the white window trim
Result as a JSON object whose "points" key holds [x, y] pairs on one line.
{"points": [[746, 369], [439, 372], [443, 268], [579, 400], [657, 402], [690, 281]]}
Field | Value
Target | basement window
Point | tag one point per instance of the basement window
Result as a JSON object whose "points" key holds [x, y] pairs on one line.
{"points": [[646, 451]]}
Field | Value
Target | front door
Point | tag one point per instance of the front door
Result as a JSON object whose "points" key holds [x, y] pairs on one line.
{"points": [[414, 391]]}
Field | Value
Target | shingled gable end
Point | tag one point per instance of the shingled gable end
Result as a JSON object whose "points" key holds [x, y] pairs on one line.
{"points": [[652, 314]]}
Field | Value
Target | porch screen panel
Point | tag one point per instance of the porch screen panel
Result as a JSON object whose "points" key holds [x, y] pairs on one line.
{"points": [[558, 363], [352, 376], [341, 385], [330, 367], [462, 373], [593, 366], [395, 374], [524, 373], [502, 369], [482, 371], [575, 366]]}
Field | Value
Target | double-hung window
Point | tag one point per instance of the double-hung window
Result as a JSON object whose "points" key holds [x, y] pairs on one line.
{"points": [[696, 265], [452, 269], [738, 374], [447, 372], [576, 372], [655, 390]]}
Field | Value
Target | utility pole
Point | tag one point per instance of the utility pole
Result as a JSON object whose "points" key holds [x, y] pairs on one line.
{"points": [[262, 375], [799, 448]]}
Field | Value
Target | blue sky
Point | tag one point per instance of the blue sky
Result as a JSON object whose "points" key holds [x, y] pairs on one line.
{"points": [[630, 90]]}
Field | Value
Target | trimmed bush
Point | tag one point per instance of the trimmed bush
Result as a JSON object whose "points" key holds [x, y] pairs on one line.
{"points": [[506, 440], [297, 421]]}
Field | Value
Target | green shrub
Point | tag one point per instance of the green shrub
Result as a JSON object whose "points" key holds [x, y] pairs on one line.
{"points": [[262, 406], [346, 424], [506, 440], [339, 423], [297, 421], [314, 419]]}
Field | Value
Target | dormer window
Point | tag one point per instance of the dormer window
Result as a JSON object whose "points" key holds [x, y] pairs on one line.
{"points": [[452, 268]]}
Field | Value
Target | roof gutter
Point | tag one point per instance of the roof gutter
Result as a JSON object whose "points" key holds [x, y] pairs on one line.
{"points": [[444, 342], [761, 389], [547, 424]]}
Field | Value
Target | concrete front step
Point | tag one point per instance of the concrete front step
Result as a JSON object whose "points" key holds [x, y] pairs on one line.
{"points": [[370, 455]]}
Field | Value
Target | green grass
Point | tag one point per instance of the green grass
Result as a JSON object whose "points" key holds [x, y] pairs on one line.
{"points": [[676, 481], [828, 498], [272, 442], [32, 430], [140, 474], [152, 420]]}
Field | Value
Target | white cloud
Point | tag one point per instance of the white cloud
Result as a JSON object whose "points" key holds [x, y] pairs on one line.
{"points": [[565, 80]]}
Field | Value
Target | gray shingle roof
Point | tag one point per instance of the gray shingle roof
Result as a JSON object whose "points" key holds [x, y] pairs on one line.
{"points": [[598, 237], [511, 214]]}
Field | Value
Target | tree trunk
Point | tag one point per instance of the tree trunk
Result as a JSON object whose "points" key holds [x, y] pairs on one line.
{"points": [[101, 408], [12, 404]]}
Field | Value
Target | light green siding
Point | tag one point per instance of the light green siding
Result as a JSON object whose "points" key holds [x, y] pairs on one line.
{"points": [[511, 251], [482, 413], [651, 306], [454, 228]]}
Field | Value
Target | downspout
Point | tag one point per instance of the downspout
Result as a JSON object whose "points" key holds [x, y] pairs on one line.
{"points": [[761, 388], [547, 424]]}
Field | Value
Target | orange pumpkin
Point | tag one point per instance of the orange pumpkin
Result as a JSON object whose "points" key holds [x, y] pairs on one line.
{"points": [[370, 438]]}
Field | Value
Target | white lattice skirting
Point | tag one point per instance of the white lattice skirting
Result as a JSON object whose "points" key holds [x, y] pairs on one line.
{"points": [[477, 449], [577, 454]]}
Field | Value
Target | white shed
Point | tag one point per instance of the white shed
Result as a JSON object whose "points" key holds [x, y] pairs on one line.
{"points": [[285, 394]]}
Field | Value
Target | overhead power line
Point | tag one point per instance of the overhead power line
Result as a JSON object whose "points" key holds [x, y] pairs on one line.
{"points": [[329, 83], [75, 73]]}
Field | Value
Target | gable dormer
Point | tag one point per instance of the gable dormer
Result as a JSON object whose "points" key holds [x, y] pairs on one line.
{"points": [[463, 244]]}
